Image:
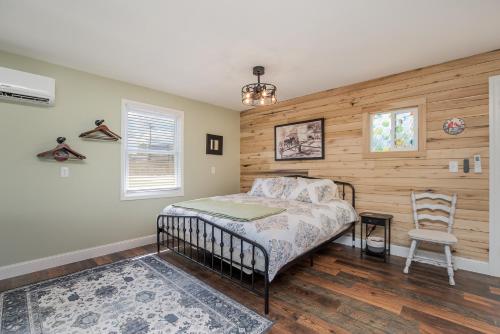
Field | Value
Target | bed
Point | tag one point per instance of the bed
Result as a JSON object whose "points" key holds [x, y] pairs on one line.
{"points": [[242, 251]]}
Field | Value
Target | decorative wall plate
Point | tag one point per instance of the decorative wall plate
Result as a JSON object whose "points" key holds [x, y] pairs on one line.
{"points": [[454, 126]]}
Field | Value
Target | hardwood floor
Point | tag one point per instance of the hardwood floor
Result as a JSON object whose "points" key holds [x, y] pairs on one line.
{"points": [[342, 293]]}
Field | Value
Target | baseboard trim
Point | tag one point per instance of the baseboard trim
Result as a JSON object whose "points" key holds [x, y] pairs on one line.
{"points": [[476, 266], [27, 267]]}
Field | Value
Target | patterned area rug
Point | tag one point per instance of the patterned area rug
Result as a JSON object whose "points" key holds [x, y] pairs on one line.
{"points": [[135, 296]]}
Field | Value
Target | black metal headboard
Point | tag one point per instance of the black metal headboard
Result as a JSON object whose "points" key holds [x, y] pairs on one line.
{"points": [[341, 183]]}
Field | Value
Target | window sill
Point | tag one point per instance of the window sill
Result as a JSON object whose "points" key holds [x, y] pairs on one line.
{"points": [[151, 195], [394, 154]]}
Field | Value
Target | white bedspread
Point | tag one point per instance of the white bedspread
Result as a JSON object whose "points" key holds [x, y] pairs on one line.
{"points": [[285, 236]]}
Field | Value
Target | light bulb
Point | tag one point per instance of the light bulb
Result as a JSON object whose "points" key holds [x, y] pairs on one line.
{"points": [[262, 101], [247, 101], [247, 95], [264, 93]]}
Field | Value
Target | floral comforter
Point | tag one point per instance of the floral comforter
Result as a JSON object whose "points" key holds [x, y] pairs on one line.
{"points": [[285, 236]]}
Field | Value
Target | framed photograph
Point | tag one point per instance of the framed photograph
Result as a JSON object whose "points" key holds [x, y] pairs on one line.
{"points": [[214, 144], [300, 141]]}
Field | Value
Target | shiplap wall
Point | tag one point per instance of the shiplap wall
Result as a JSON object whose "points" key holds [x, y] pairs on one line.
{"points": [[453, 89]]}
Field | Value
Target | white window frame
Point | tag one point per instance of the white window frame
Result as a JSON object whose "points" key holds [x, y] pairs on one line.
{"points": [[179, 148], [394, 113]]}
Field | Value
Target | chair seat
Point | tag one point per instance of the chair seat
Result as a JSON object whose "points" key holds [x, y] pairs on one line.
{"points": [[433, 236]]}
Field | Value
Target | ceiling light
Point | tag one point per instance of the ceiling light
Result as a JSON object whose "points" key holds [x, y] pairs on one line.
{"points": [[258, 93]]}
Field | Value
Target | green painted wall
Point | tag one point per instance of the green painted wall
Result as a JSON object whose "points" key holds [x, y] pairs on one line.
{"points": [[42, 214]]}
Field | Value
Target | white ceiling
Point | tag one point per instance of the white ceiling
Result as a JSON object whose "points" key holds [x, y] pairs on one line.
{"points": [[205, 49]]}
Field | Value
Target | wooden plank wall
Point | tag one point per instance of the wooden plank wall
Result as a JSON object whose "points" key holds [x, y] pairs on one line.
{"points": [[457, 88]]}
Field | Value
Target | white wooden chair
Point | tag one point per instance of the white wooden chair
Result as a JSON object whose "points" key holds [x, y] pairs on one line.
{"points": [[444, 238]]}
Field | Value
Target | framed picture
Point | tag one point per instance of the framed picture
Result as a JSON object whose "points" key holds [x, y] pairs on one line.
{"points": [[214, 144], [300, 141]]}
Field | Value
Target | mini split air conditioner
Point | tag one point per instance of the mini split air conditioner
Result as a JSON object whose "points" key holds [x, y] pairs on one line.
{"points": [[22, 87]]}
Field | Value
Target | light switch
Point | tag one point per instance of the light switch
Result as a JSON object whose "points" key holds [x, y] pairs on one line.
{"points": [[212, 170], [453, 167], [64, 171], [477, 164]]}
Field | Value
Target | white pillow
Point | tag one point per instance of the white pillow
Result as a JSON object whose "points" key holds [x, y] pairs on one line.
{"points": [[325, 189], [310, 190], [269, 187]]}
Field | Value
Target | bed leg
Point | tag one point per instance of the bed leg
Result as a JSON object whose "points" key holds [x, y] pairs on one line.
{"points": [[353, 235], [266, 301], [266, 295], [158, 241], [158, 231]]}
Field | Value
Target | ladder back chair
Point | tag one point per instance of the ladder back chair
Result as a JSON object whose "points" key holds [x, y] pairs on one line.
{"points": [[440, 237]]}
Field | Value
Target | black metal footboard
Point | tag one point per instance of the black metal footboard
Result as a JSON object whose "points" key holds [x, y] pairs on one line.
{"points": [[217, 249]]}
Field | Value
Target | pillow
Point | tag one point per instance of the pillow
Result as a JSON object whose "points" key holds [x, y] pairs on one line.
{"points": [[310, 190], [293, 188], [325, 189], [270, 187]]}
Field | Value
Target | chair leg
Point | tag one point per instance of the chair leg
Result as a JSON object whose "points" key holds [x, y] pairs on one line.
{"points": [[413, 248], [449, 264]]}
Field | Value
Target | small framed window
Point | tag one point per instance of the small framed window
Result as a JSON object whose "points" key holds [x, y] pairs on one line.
{"points": [[395, 130], [152, 151]]}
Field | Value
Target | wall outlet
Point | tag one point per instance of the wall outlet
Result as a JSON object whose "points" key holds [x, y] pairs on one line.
{"points": [[453, 166], [64, 171], [212, 170]]}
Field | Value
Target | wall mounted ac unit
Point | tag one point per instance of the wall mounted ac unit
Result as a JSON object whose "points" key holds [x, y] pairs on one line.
{"points": [[22, 87]]}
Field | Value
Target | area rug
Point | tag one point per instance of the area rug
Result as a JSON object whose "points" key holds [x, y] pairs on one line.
{"points": [[135, 296]]}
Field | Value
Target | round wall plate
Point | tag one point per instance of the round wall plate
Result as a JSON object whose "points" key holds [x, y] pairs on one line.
{"points": [[454, 126]]}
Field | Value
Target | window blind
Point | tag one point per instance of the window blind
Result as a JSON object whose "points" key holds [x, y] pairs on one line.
{"points": [[152, 152]]}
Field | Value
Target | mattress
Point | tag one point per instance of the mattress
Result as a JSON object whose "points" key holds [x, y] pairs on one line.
{"points": [[284, 236]]}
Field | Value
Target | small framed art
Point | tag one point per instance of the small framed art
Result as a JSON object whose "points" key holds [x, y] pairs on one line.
{"points": [[214, 144]]}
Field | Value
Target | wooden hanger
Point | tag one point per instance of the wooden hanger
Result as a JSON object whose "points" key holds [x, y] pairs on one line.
{"points": [[61, 152], [101, 132]]}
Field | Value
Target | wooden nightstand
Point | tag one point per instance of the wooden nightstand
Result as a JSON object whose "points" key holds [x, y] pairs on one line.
{"points": [[370, 221]]}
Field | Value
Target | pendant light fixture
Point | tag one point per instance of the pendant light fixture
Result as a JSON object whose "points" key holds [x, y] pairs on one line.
{"points": [[259, 93]]}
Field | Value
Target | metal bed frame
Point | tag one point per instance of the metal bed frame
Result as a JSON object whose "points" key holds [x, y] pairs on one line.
{"points": [[174, 226]]}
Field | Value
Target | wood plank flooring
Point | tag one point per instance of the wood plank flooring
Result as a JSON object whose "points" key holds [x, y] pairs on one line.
{"points": [[342, 293]]}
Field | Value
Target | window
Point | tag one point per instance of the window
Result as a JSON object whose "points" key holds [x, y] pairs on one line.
{"points": [[151, 151], [395, 131]]}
